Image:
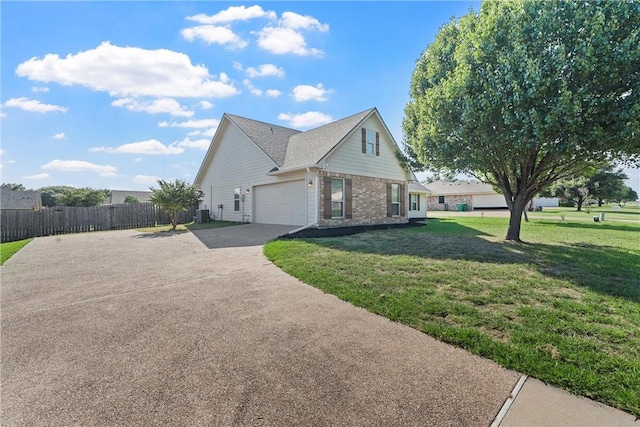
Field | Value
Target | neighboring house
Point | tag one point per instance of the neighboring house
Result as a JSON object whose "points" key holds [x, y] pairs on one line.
{"points": [[418, 195], [341, 174], [20, 200], [118, 196], [446, 195]]}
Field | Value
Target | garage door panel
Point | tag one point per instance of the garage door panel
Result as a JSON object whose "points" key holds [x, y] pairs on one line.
{"points": [[282, 203], [489, 201]]}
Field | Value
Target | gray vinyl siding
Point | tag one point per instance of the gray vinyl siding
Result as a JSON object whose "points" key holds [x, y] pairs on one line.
{"points": [[348, 157]]}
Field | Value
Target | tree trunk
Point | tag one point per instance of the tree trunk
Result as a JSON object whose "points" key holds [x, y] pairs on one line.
{"points": [[515, 220], [580, 202], [174, 220], [600, 202]]}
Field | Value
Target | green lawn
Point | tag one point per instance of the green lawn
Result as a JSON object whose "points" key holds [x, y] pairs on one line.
{"points": [[564, 308], [8, 249], [630, 212]]}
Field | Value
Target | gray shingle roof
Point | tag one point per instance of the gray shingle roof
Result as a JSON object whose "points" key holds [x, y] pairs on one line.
{"points": [[459, 187], [416, 187], [272, 139], [10, 199], [308, 148]]}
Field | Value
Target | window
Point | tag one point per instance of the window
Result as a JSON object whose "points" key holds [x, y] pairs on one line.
{"points": [[236, 200], [440, 199], [371, 142], [337, 198], [414, 202], [395, 199]]}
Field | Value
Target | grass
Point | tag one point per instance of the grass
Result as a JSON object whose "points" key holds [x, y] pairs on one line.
{"points": [[564, 308], [181, 228], [627, 213], [8, 249]]}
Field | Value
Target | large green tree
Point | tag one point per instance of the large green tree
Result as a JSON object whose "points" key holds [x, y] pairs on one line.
{"points": [[81, 197], [175, 197], [527, 92]]}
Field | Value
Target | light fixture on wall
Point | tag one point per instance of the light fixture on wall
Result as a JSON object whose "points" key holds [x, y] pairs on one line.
{"points": [[310, 183], [247, 191]]}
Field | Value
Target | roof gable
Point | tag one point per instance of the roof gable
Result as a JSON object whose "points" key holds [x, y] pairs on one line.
{"points": [[308, 148]]}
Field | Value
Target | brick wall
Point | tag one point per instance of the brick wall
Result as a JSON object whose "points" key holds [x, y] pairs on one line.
{"points": [[369, 202], [451, 201]]}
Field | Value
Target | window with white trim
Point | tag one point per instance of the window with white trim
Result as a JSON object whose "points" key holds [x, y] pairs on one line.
{"points": [[236, 200], [337, 198], [395, 199], [414, 202], [440, 199], [371, 142]]}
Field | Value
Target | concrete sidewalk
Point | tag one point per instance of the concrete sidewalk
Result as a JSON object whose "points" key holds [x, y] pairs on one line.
{"points": [[534, 403], [124, 328]]}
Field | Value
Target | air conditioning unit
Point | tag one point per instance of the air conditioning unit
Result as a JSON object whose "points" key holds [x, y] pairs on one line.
{"points": [[202, 215]]}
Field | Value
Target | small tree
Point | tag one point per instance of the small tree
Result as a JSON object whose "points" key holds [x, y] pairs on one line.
{"points": [[175, 197], [574, 189], [131, 199]]}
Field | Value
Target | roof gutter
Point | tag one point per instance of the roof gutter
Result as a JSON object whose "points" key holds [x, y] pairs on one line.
{"points": [[296, 169]]}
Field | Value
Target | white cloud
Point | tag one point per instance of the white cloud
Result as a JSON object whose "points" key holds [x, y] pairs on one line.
{"points": [[202, 144], [205, 105], [265, 70], [194, 124], [237, 66], [306, 22], [39, 89], [38, 176], [2, 114], [273, 93], [194, 133], [233, 14], [211, 34], [157, 106], [80, 166], [254, 91], [287, 36], [305, 120], [58, 136], [33, 105], [146, 179], [150, 146], [308, 93], [2, 152], [129, 71], [137, 159]]}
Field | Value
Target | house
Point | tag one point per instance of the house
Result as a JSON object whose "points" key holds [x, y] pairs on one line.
{"points": [[344, 173], [418, 195], [118, 196], [20, 200], [446, 195]]}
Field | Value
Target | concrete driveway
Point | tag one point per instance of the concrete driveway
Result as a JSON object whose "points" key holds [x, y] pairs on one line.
{"points": [[123, 328]]}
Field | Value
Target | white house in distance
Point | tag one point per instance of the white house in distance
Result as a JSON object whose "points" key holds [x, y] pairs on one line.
{"points": [[345, 173], [446, 195]]}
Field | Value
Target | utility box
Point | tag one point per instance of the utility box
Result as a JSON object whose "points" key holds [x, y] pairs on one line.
{"points": [[462, 207], [202, 215]]}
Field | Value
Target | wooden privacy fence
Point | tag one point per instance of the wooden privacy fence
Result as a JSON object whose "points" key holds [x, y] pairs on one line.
{"points": [[18, 225]]}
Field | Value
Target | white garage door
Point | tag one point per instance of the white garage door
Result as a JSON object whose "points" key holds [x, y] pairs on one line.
{"points": [[489, 201], [280, 203]]}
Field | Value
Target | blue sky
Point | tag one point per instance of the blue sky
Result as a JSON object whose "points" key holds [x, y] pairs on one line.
{"points": [[118, 94]]}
